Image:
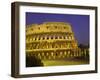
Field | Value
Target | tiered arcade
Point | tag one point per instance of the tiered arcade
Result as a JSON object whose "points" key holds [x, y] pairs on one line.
{"points": [[51, 40]]}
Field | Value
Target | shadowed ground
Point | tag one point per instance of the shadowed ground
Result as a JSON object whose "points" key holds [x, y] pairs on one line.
{"points": [[32, 61], [64, 62]]}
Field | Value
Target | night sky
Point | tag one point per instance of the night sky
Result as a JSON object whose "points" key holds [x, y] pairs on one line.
{"points": [[80, 23]]}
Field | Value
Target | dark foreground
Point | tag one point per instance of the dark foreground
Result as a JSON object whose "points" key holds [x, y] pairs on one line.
{"points": [[32, 62]]}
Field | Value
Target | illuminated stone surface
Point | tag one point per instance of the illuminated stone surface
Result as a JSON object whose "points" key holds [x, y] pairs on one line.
{"points": [[52, 41]]}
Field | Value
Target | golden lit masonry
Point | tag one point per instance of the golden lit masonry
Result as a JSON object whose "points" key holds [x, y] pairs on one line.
{"points": [[51, 40]]}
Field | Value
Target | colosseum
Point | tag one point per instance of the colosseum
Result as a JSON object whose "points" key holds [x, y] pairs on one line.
{"points": [[51, 40]]}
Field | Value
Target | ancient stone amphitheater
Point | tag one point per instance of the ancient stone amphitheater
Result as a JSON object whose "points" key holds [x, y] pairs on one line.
{"points": [[51, 40]]}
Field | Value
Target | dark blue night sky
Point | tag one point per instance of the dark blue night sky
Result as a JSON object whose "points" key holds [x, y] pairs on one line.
{"points": [[80, 23]]}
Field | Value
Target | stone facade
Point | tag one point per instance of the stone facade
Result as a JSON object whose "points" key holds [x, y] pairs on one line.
{"points": [[51, 40]]}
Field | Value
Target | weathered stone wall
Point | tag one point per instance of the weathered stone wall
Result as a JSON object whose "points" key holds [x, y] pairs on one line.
{"points": [[52, 40]]}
